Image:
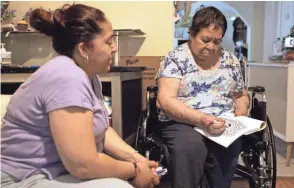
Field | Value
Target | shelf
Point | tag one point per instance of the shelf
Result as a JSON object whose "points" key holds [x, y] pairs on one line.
{"points": [[129, 32], [120, 32], [117, 34], [123, 76], [14, 78], [107, 77], [6, 34], [123, 32], [17, 69]]}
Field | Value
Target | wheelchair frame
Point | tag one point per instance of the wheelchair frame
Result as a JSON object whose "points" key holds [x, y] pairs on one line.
{"points": [[258, 151]]}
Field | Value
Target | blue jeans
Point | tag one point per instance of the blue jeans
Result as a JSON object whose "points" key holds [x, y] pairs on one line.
{"points": [[197, 161]]}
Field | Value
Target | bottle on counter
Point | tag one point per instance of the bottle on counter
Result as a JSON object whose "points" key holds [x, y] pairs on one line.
{"points": [[292, 31], [5, 56], [277, 50]]}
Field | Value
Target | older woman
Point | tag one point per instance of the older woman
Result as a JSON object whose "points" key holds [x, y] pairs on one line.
{"points": [[55, 132], [199, 81]]}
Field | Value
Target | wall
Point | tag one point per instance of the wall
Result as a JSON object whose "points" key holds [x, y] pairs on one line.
{"points": [[270, 25], [153, 18], [253, 14], [278, 19], [227, 41], [156, 20], [285, 17]]}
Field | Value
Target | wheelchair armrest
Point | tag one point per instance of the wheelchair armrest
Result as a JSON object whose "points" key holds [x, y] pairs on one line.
{"points": [[256, 89]]}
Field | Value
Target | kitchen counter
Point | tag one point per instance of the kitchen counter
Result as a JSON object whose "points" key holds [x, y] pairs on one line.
{"points": [[30, 69], [107, 77], [124, 88], [273, 64], [18, 74], [278, 80]]}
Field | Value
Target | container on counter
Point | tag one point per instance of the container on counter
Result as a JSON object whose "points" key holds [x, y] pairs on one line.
{"points": [[5, 56]]}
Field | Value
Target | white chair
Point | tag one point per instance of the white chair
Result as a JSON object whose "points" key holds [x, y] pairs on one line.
{"points": [[4, 102]]}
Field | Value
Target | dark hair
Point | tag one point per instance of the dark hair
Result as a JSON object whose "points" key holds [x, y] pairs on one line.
{"points": [[68, 26], [207, 16]]}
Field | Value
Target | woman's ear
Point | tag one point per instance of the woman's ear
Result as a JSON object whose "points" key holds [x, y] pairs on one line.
{"points": [[191, 33], [82, 49]]}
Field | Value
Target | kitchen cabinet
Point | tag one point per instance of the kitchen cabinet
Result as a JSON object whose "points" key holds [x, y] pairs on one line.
{"points": [[277, 78]]}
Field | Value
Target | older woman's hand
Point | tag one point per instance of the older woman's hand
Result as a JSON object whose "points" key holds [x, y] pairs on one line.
{"points": [[241, 110], [213, 124]]}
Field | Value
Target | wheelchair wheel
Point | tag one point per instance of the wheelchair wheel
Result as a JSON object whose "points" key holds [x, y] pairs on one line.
{"points": [[266, 177], [139, 135], [270, 155], [259, 158]]}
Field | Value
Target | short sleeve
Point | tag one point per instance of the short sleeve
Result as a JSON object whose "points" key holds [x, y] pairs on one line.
{"points": [[238, 75], [68, 91], [169, 68]]}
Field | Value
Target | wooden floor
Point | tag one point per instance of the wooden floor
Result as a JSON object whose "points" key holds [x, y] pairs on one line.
{"points": [[281, 183], [287, 182]]}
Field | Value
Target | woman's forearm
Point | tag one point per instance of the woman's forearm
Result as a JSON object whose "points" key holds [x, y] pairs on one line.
{"points": [[178, 111], [116, 147], [243, 100], [106, 167]]}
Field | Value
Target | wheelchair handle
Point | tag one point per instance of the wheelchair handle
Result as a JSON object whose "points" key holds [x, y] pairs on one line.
{"points": [[152, 89], [256, 89]]}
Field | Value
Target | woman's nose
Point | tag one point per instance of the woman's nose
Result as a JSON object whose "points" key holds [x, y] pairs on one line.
{"points": [[114, 47], [210, 46]]}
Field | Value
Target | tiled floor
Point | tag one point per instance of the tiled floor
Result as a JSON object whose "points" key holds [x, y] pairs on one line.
{"points": [[285, 182], [281, 150], [283, 170]]}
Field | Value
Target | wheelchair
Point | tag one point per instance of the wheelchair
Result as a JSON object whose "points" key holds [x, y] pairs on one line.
{"points": [[258, 156]]}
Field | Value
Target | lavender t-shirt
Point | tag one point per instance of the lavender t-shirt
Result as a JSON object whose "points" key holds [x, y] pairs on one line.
{"points": [[27, 145]]}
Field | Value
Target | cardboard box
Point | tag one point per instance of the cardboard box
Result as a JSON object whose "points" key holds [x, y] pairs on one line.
{"points": [[151, 63]]}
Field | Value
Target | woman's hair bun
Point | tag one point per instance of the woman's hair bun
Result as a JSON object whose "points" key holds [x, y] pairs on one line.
{"points": [[68, 26], [42, 21], [58, 17]]}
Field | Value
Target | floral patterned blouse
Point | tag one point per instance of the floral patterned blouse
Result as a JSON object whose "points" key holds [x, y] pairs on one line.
{"points": [[210, 91]]}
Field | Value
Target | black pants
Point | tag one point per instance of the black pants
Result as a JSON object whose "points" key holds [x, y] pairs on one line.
{"points": [[196, 161]]}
